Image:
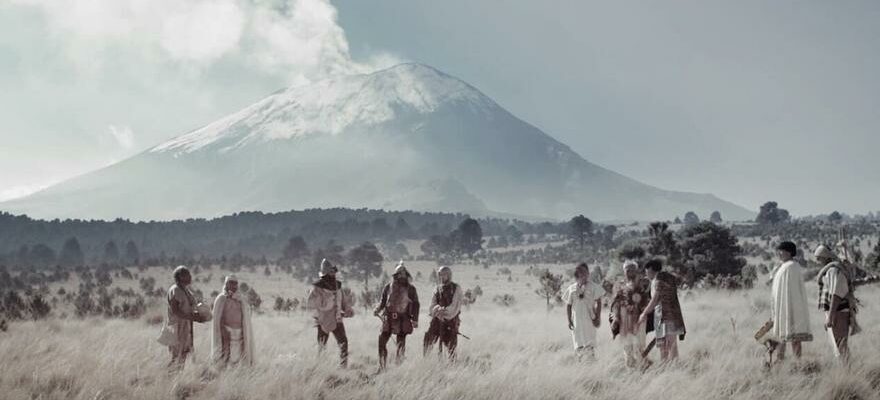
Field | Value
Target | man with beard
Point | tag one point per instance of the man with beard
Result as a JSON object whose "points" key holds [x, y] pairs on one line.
{"points": [[232, 341], [444, 311], [330, 306], [399, 309]]}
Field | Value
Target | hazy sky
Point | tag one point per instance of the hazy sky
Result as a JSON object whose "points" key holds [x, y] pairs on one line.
{"points": [[749, 100]]}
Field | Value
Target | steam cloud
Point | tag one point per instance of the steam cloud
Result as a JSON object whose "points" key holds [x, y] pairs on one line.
{"points": [[297, 39]]}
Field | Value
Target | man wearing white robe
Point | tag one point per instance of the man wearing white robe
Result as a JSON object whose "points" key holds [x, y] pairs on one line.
{"points": [[583, 300], [232, 339], [791, 320]]}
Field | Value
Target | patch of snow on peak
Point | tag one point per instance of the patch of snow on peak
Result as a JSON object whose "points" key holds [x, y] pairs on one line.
{"points": [[330, 106]]}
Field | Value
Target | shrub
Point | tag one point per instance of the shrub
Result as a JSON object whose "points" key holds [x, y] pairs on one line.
{"points": [[504, 300]]}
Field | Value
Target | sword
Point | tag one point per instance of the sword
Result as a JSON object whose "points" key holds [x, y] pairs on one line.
{"points": [[646, 362], [649, 347]]}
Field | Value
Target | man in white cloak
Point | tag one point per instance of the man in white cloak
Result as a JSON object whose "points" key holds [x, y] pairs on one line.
{"points": [[232, 341], [583, 301], [791, 321]]}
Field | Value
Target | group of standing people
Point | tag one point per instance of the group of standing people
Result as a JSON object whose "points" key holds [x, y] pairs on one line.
{"points": [[647, 302], [398, 310], [640, 304], [836, 300], [232, 338]]}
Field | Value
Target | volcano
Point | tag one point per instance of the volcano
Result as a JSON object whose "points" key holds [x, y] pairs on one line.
{"points": [[404, 138]]}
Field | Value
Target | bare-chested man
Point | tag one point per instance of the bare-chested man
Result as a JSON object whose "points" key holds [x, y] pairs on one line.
{"points": [[232, 341]]}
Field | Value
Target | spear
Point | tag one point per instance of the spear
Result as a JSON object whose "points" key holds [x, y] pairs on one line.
{"points": [[842, 237]]}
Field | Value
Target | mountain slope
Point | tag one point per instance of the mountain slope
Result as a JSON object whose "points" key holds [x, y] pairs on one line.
{"points": [[408, 137]]}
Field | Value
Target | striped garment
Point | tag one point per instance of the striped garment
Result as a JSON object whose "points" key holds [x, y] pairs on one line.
{"points": [[830, 272], [666, 286]]}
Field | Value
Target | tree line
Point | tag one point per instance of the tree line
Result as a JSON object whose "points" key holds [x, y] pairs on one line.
{"points": [[249, 235]]}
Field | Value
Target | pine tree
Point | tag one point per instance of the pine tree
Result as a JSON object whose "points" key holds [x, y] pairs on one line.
{"points": [[132, 254], [365, 261], [711, 249], [468, 238], [41, 256], [111, 253], [691, 218], [71, 254], [770, 213], [295, 251], [580, 229]]}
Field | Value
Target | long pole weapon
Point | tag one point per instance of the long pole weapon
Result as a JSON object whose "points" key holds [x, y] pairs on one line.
{"points": [[842, 241]]}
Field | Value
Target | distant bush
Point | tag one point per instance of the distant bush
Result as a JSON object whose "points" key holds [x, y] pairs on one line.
{"points": [[38, 308], [471, 295], [254, 299], [13, 306], [504, 300]]}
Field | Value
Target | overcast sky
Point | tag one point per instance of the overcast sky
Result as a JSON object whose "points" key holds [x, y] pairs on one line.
{"points": [[749, 100]]}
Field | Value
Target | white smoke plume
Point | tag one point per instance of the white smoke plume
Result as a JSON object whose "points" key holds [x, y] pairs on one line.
{"points": [[300, 40], [123, 135]]}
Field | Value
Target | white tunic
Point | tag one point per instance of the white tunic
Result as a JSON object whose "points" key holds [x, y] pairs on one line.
{"points": [[835, 280], [791, 321], [583, 300]]}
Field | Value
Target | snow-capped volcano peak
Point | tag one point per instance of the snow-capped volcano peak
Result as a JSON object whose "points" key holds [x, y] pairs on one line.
{"points": [[405, 138], [332, 105]]}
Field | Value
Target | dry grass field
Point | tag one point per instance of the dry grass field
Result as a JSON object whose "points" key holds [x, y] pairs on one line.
{"points": [[517, 352]]}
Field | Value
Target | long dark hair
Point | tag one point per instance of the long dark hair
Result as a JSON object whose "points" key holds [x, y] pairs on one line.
{"points": [[178, 273]]}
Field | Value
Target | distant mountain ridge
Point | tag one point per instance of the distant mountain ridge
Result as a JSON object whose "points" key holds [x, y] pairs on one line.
{"points": [[407, 137]]}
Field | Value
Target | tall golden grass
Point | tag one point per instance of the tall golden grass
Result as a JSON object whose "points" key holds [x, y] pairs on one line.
{"points": [[520, 352]]}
